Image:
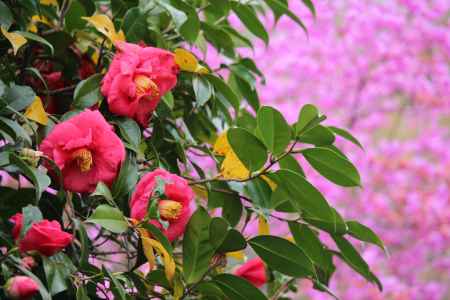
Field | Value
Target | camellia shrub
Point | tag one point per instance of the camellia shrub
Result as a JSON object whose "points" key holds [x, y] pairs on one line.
{"points": [[130, 169]]}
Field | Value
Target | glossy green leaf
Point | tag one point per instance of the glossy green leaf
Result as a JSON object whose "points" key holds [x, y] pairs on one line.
{"points": [[37, 38], [127, 178], [310, 6], [87, 92], [178, 16], [103, 190], [364, 233], [18, 97], [203, 89], [58, 269], [135, 25], [282, 255], [218, 229], [248, 17], [237, 288], [282, 8], [109, 218], [221, 87], [234, 241], [288, 162], [318, 136], [275, 131], [346, 135], [249, 149], [332, 166], [197, 248], [130, 131], [6, 17]]}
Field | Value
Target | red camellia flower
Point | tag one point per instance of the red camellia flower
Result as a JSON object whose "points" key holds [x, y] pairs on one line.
{"points": [[86, 149], [45, 237], [17, 221], [21, 288], [254, 271], [136, 80], [175, 209]]}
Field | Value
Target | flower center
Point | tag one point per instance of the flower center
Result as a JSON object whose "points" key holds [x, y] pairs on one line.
{"points": [[83, 157], [169, 209], [145, 86]]}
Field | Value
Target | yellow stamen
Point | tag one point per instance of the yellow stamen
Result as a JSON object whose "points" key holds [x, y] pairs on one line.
{"points": [[83, 157], [169, 209], [144, 85]]}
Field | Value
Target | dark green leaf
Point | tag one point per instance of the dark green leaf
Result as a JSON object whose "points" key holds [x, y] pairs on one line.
{"points": [[221, 87], [282, 8], [130, 131], [197, 248], [218, 229], [274, 129], [127, 179], [36, 38], [109, 218], [19, 97], [250, 151], [237, 288], [58, 269], [248, 17], [307, 114], [364, 233], [87, 93], [6, 17], [178, 16], [234, 241], [346, 135], [190, 29], [203, 90], [334, 226], [73, 18], [288, 162], [16, 131], [135, 25], [116, 287], [310, 6], [332, 166], [318, 136], [260, 192], [282, 255], [232, 210]]}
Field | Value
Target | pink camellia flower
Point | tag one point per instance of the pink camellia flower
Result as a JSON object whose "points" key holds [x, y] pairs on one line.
{"points": [[254, 271], [86, 149], [175, 209], [137, 79], [45, 237], [21, 288], [17, 221]]}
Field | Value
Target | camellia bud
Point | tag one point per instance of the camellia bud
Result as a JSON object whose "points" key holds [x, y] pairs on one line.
{"points": [[169, 209], [21, 288]]}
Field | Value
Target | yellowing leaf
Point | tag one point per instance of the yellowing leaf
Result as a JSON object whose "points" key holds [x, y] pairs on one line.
{"points": [[233, 168], [169, 263], [263, 226], [270, 182], [178, 289], [36, 112], [200, 191], [104, 25], [37, 19], [148, 251], [238, 255], [222, 146], [49, 2], [188, 62], [14, 38]]}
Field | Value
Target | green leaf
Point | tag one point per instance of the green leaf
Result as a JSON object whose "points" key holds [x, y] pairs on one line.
{"points": [[84, 241], [302, 195], [223, 88], [16, 131], [282, 255], [127, 179], [118, 8], [73, 18], [135, 25], [156, 233], [203, 90], [333, 226], [309, 242], [364, 233], [248, 17], [178, 16], [168, 99], [310, 6], [31, 214], [103, 190], [288, 162], [218, 229], [234, 241], [332, 166], [36, 38], [282, 8], [82, 293], [219, 38], [197, 248], [232, 211], [346, 135], [210, 290], [130, 131], [116, 287], [307, 114], [250, 151], [237, 288], [87, 93], [318, 136], [40, 180], [6, 17], [58, 269], [275, 131], [18, 97], [260, 192], [190, 29], [249, 93], [109, 218]]}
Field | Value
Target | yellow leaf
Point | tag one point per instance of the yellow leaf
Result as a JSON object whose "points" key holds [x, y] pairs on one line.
{"points": [[169, 262], [233, 168], [37, 19], [270, 182], [238, 255], [188, 62], [263, 226], [36, 112], [14, 38], [221, 146], [178, 289], [104, 25], [49, 2], [200, 191]]}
